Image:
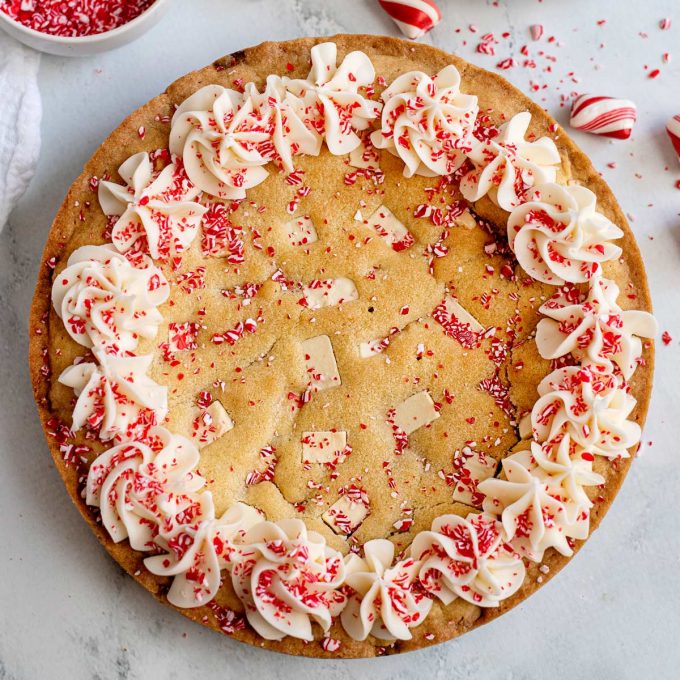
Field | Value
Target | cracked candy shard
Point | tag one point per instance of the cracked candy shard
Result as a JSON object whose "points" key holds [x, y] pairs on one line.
{"points": [[471, 468], [346, 514], [301, 231], [323, 447], [365, 157], [416, 411], [454, 311], [322, 371], [211, 424], [330, 292], [391, 229]]}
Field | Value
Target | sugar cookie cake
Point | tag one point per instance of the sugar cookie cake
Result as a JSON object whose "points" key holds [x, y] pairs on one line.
{"points": [[341, 346]]}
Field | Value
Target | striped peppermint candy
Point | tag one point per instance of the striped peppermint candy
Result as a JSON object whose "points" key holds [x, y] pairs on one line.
{"points": [[414, 17], [604, 116], [673, 130]]}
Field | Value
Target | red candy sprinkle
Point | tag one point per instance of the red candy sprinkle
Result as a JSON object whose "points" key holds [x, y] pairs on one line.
{"points": [[76, 18]]}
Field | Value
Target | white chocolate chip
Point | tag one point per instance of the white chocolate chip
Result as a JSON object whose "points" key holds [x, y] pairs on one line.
{"points": [[323, 447], [476, 468], [330, 292], [213, 423], [454, 310], [415, 412], [466, 220], [322, 370], [390, 228], [301, 231], [345, 515]]}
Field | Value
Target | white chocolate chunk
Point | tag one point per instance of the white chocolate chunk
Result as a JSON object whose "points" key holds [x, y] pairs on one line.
{"points": [[372, 347], [524, 427], [365, 157], [301, 231], [390, 228], [472, 468], [330, 292], [455, 311], [415, 412], [345, 515], [323, 447], [466, 220], [211, 424], [322, 370]]}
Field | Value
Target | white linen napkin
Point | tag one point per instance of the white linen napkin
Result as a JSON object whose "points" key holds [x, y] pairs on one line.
{"points": [[20, 114]]}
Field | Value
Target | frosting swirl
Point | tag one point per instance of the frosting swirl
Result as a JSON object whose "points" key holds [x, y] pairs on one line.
{"points": [[223, 143], [115, 396], [558, 235], [533, 519], [198, 552], [590, 406], [287, 577], [155, 210], [105, 301], [467, 558], [385, 603], [427, 122], [145, 488], [594, 329], [566, 469], [330, 100], [507, 165]]}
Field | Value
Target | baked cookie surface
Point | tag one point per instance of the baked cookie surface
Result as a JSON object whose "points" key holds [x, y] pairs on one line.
{"points": [[346, 345]]}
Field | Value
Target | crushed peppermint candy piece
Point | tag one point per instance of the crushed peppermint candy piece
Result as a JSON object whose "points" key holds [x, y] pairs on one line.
{"points": [[469, 469], [605, 116], [415, 412]]}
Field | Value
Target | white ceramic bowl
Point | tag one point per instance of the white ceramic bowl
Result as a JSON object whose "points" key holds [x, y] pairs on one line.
{"points": [[89, 44]]}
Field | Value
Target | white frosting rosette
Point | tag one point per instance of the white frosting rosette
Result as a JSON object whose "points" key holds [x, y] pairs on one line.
{"points": [[223, 142], [156, 213], [115, 396], [330, 98], [508, 165], [105, 301], [566, 469], [558, 235], [287, 578], [198, 552], [533, 518], [284, 117], [427, 122], [467, 558], [143, 488], [386, 602], [595, 329], [589, 405]]}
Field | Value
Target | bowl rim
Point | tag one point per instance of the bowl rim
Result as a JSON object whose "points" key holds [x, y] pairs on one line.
{"points": [[84, 39]]}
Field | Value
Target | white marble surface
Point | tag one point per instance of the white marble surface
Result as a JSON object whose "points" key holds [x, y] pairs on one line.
{"points": [[66, 610]]}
